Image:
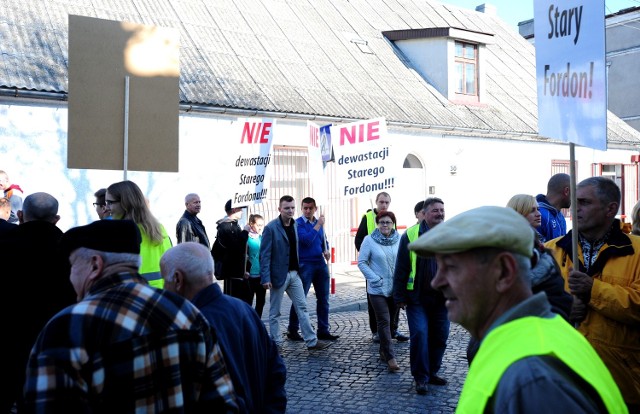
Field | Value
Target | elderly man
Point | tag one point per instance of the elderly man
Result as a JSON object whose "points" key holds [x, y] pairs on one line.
{"points": [[37, 278], [605, 283], [256, 368], [125, 346], [190, 227], [530, 360]]}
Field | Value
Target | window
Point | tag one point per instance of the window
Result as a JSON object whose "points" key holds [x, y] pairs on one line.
{"points": [[466, 68]]}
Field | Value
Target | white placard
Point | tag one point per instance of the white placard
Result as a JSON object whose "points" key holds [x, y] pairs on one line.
{"points": [[252, 164], [364, 157], [570, 71]]}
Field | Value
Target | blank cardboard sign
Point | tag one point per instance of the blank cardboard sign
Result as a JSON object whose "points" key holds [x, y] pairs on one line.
{"points": [[102, 53]]}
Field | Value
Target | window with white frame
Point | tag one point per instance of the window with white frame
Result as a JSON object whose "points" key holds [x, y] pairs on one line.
{"points": [[466, 68]]}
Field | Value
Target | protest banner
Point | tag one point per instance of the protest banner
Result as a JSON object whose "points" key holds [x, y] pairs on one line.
{"points": [[364, 157], [251, 167]]}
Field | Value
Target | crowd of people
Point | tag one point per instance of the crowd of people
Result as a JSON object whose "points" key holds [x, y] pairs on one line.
{"points": [[121, 320]]}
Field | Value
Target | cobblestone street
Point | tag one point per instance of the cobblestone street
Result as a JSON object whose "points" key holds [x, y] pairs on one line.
{"points": [[348, 377]]}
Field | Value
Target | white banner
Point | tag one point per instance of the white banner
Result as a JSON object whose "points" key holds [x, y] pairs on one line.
{"points": [[252, 165], [364, 157], [570, 71]]}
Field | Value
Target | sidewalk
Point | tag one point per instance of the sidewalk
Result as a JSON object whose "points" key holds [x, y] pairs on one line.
{"points": [[348, 377]]}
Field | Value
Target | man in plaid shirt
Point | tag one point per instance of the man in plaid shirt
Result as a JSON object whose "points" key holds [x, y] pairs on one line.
{"points": [[125, 346]]}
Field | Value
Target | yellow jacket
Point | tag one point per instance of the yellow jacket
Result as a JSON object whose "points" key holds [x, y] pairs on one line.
{"points": [[150, 254], [612, 324]]}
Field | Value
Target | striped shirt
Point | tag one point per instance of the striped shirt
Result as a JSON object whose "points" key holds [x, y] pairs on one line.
{"points": [[128, 348]]}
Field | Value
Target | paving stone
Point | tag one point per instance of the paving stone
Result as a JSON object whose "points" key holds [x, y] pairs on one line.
{"points": [[348, 378]]}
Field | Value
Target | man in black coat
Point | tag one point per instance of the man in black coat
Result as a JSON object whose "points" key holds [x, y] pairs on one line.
{"points": [[229, 254], [37, 279]]}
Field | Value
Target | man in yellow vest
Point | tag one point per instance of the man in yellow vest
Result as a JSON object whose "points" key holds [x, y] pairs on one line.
{"points": [[426, 313], [530, 360], [366, 227]]}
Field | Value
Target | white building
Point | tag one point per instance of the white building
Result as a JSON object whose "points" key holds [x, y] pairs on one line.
{"points": [[468, 136]]}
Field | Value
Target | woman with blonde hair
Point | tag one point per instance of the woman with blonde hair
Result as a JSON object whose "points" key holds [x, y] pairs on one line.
{"points": [[124, 201], [544, 274]]}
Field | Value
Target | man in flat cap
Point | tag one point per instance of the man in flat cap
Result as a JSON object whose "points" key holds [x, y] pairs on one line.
{"points": [[530, 360], [125, 346]]}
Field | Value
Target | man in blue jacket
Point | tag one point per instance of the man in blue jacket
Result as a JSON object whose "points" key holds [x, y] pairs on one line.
{"points": [[550, 206], [279, 272], [254, 364], [314, 253]]}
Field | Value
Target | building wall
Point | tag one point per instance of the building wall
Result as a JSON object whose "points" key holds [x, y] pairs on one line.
{"points": [[464, 172], [623, 59]]}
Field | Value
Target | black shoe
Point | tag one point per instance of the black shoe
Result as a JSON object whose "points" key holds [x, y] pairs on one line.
{"points": [[294, 336], [399, 337], [421, 388], [328, 337], [320, 345], [436, 380]]}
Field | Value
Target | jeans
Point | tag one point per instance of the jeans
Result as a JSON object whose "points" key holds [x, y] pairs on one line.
{"points": [[384, 308], [428, 333], [318, 274], [293, 286]]}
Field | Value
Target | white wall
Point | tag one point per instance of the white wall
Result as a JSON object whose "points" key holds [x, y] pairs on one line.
{"points": [[33, 152]]}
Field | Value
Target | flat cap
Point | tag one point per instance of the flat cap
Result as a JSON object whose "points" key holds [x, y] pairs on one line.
{"points": [[116, 236], [488, 226]]}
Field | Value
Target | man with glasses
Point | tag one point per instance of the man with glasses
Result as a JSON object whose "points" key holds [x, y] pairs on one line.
{"points": [[100, 204], [425, 306]]}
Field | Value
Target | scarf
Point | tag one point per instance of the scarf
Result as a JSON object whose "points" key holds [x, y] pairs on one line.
{"points": [[9, 191], [385, 241], [252, 233]]}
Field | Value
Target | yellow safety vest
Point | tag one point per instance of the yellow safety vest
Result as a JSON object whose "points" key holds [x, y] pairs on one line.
{"points": [[150, 254], [412, 234], [531, 336], [371, 221]]}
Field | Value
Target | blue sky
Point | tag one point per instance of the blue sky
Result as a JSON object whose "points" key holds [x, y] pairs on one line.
{"points": [[514, 11]]}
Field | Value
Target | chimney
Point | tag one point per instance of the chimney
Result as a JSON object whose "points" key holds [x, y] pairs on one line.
{"points": [[487, 8]]}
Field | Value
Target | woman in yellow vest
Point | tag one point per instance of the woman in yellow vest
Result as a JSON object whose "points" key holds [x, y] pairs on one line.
{"points": [[124, 200]]}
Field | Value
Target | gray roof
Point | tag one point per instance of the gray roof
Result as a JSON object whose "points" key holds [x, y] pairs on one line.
{"points": [[296, 57]]}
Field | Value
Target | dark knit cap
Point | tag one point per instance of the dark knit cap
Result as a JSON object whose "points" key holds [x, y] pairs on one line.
{"points": [[116, 236]]}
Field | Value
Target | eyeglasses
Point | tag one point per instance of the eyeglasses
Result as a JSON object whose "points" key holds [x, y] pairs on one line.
{"points": [[386, 223], [111, 202], [98, 205]]}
